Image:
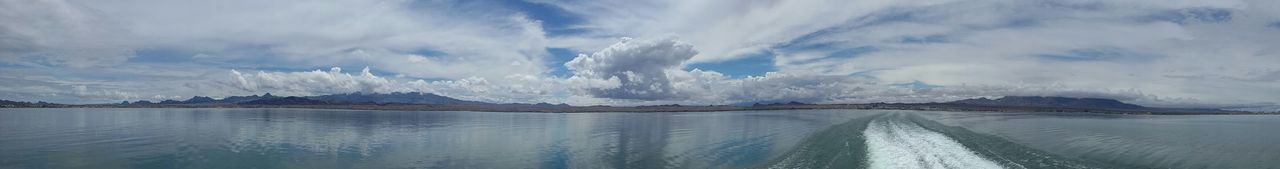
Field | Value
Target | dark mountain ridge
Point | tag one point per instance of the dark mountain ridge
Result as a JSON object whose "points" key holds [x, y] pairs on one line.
{"points": [[14, 104], [291, 100], [394, 97], [432, 102], [1053, 102], [348, 98]]}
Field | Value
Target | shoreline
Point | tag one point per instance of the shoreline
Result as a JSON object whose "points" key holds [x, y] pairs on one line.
{"points": [[525, 108]]}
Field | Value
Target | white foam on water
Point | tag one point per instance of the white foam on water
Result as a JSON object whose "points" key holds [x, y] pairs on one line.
{"points": [[900, 144]]}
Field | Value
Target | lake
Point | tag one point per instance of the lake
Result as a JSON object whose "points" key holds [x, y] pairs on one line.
{"points": [[307, 138]]}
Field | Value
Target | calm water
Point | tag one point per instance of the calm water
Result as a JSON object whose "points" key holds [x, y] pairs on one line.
{"points": [[300, 138]]}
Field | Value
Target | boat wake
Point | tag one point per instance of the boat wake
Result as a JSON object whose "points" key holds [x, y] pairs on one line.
{"points": [[893, 143], [903, 140]]}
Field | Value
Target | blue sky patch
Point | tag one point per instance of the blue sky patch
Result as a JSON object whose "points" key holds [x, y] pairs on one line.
{"points": [[796, 46], [916, 85], [870, 74], [840, 53], [556, 61], [428, 52], [1084, 55], [853, 52], [1022, 23], [5, 64], [924, 39], [1193, 15], [1076, 5], [752, 65], [1098, 54], [161, 55], [870, 20], [555, 21]]}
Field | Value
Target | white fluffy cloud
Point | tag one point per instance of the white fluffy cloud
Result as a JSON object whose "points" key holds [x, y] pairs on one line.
{"points": [[390, 34], [664, 82], [313, 82], [1156, 52], [1159, 48], [1189, 50], [639, 67], [650, 71], [510, 89]]}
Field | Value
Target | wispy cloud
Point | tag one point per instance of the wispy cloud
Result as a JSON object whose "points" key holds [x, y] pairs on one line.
{"points": [[1156, 52]]}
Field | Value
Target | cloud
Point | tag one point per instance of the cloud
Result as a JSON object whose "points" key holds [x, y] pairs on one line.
{"points": [[629, 72], [1127, 45], [62, 33], [290, 34], [313, 82], [33, 89], [774, 87], [647, 71], [1186, 52], [511, 89], [728, 29], [639, 67], [85, 92], [639, 72]]}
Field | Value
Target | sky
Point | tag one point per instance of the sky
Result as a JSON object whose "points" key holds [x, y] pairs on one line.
{"points": [[1169, 53]]}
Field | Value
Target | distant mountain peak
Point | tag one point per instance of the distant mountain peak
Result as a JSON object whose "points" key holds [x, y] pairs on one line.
{"points": [[393, 97], [291, 100], [200, 100], [1050, 101]]}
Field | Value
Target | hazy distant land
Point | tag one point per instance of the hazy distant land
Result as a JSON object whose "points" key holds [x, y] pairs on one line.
{"points": [[431, 102]]}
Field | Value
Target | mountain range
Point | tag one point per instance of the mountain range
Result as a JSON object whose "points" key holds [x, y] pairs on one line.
{"points": [[433, 99], [1066, 103], [1054, 102], [8, 103], [348, 98], [417, 101]]}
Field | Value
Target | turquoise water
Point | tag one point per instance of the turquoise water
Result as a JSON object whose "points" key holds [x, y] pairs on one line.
{"points": [[304, 138]]}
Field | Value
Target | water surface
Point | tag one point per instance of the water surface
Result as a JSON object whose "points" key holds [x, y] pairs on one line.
{"points": [[305, 138]]}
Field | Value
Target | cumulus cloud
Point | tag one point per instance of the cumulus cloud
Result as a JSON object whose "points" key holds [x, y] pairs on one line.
{"points": [[639, 67], [667, 83], [40, 89], [650, 71], [510, 89], [1174, 49], [313, 82], [1130, 45], [1186, 52], [775, 87], [84, 92]]}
